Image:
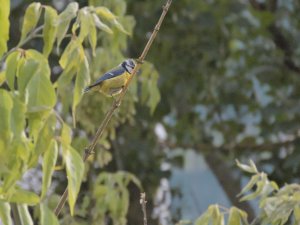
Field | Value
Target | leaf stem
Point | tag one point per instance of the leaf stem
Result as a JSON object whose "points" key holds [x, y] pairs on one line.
{"points": [[31, 36], [116, 104]]}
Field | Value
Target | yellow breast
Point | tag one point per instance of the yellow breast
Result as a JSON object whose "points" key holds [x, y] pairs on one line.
{"points": [[114, 85]]}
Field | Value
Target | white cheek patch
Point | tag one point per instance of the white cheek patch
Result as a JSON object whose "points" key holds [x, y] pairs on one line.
{"points": [[129, 69]]}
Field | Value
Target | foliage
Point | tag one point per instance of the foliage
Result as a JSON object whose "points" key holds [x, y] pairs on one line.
{"points": [[35, 109], [228, 81], [277, 206]]}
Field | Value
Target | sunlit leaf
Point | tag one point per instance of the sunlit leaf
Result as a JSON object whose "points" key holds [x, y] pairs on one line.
{"points": [[41, 94], [247, 168], [24, 197], [31, 18], [75, 170], [47, 216], [50, 29], [24, 214], [66, 135], [12, 176], [217, 216], [27, 68], [18, 117], [5, 213], [120, 26], [72, 54], [259, 189], [5, 118], [64, 20], [92, 34], [4, 24], [11, 68], [105, 13], [205, 218], [49, 161], [41, 59], [83, 17], [250, 184], [2, 77], [234, 216], [100, 25], [44, 138], [297, 214], [82, 80]]}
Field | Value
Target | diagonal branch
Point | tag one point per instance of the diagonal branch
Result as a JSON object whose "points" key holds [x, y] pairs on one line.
{"points": [[116, 103]]}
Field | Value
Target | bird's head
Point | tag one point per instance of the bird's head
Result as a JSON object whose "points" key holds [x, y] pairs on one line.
{"points": [[128, 65]]}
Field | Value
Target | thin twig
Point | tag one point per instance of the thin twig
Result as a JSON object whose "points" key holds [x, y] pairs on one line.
{"points": [[143, 203], [33, 34], [117, 103]]}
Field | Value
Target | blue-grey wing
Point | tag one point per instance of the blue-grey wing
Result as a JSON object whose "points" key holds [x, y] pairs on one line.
{"points": [[108, 75]]}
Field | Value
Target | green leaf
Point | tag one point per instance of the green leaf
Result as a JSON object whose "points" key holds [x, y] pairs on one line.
{"points": [[41, 94], [297, 214], [13, 176], [120, 26], [72, 54], [66, 135], [24, 197], [150, 93], [49, 161], [41, 59], [4, 24], [47, 216], [11, 68], [83, 17], [5, 118], [234, 216], [18, 118], [92, 34], [100, 25], [64, 20], [105, 13], [250, 184], [27, 68], [246, 168], [205, 218], [24, 214], [154, 96], [131, 177], [44, 138], [82, 80], [5, 213], [50, 29], [218, 218], [259, 189], [75, 170], [31, 18], [2, 77]]}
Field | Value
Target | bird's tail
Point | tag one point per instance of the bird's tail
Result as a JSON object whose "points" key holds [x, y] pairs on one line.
{"points": [[86, 89]]}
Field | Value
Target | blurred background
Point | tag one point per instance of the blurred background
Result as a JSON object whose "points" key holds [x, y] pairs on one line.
{"points": [[228, 78]]}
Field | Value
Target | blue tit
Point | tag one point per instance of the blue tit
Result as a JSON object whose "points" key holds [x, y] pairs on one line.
{"points": [[113, 81]]}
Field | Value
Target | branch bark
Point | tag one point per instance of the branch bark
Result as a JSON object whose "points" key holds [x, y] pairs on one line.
{"points": [[143, 203], [117, 102]]}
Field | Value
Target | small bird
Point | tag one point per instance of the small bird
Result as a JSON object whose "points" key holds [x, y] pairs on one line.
{"points": [[113, 81]]}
